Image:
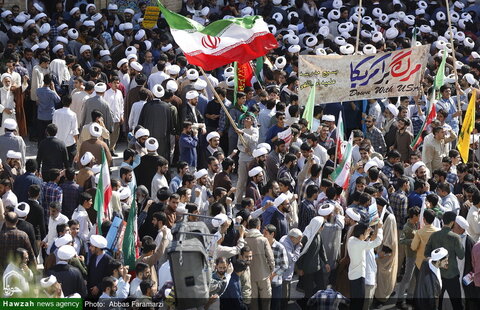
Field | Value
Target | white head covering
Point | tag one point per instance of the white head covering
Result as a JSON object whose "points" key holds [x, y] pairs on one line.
{"points": [[72, 33], [353, 214], [158, 91], [9, 123], [192, 94], [200, 174], [85, 48], [14, 155], [259, 152], [136, 66], [22, 209], [212, 135], [66, 252], [326, 209], [48, 281], [200, 85], [151, 144], [417, 165], [219, 220], [328, 118], [58, 67], [280, 199], [173, 69], [121, 62], [265, 146], [124, 192], [172, 86], [439, 254], [86, 158], [95, 130], [462, 222], [311, 231], [100, 87], [192, 74], [142, 132], [393, 109], [66, 239], [98, 241], [255, 171]]}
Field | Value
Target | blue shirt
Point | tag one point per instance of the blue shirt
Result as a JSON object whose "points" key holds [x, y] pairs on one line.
{"points": [[272, 133], [47, 99], [414, 199], [22, 183], [188, 149]]}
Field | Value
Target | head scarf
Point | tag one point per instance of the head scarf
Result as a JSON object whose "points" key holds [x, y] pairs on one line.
{"points": [[244, 116], [311, 231]]}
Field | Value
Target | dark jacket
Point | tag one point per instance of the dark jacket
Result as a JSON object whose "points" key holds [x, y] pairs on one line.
{"points": [[70, 278], [427, 289], [30, 231], [22, 183], [146, 170], [37, 219], [98, 272], [279, 220], [52, 153], [312, 260], [470, 289], [232, 296]]}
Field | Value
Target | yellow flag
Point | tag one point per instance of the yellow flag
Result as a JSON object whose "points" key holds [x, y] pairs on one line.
{"points": [[463, 144]]}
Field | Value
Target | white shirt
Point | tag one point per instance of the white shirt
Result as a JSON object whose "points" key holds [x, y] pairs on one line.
{"points": [[114, 98], [81, 215], [371, 268], [124, 79], [159, 237], [9, 199], [356, 251], [158, 181], [123, 288], [450, 203], [66, 121], [321, 153], [135, 114], [52, 229], [135, 290], [157, 78], [474, 223], [78, 102]]}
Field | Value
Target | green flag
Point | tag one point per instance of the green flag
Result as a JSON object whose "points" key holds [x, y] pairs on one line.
{"points": [[259, 69], [129, 248], [308, 113], [440, 77]]}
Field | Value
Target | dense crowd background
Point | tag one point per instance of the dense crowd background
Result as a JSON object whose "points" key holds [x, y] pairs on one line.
{"points": [[79, 80]]}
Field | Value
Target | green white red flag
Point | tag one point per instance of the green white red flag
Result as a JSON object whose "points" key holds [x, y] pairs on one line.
{"points": [[221, 42], [340, 142], [130, 240], [103, 194], [341, 175]]}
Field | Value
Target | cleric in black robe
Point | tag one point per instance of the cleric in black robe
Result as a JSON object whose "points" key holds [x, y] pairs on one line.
{"points": [[429, 280], [156, 116], [147, 168]]}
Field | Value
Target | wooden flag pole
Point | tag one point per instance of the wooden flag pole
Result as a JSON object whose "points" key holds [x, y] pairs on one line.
{"points": [[232, 122], [359, 23], [459, 107]]}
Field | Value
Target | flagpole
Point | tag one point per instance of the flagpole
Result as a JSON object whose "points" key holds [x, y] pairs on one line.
{"points": [[459, 107], [336, 146], [359, 12], [232, 122]]}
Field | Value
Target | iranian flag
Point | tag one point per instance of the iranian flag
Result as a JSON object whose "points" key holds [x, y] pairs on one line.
{"points": [[221, 42], [130, 240], [341, 175], [340, 143], [431, 115], [103, 194]]}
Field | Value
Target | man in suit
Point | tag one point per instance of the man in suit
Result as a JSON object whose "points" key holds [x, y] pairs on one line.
{"points": [[23, 182], [36, 215], [451, 242], [465, 264], [67, 275], [22, 210], [147, 168], [97, 267], [52, 152]]}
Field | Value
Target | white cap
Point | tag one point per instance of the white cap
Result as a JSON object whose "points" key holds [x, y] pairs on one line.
{"points": [[66, 252], [43, 44], [173, 69], [393, 109], [158, 91], [136, 66], [212, 135], [124, 192], [89, 23], [369, 49], [5, 75], [96, 168], [129, 11], [200, 174], [6, 13], [28, 23], [85, 48], [10, 124], [127, 26], [229, 71], [140, 34], [192, 94], [326, 209], [14, 155], [96, 17], [74, 10], [98, 241], [132, 56], [200, 84], [130, 50], [86, 158], [100, 87], [328, 118], [16, 29], [66, 239], [391, 33], [371, 163], [172, 85], [151, 144], [62, 40], [22, 209], [294, 49], [95, 130], [121, 62], [104, 53], [280, 62], [417, 165], [265, 145], [462, 222], [219, 220], [353, 214], [72, 33], [39, 16], [255, 171], [48, 281], [439, 254], [470, 78], [142, 132], [112, 7], [192, 74], [90, 6], [280, 199], [259, 152], [167, 47], [45, 28], [118, 36], [57, 47]]}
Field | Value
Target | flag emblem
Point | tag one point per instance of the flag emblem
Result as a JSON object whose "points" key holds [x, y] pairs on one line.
{"points": [[210, 42]]}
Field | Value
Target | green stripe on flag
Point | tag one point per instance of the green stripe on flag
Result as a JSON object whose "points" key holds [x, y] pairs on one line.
{"points": [[98, 204], [308, 113], [179, 22], [235, 82], [129, 239]]}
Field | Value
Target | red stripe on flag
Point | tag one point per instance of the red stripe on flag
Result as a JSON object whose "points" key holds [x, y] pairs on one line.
{"points": [[241, 54]]}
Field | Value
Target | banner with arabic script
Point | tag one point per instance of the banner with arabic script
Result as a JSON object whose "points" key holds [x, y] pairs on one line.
{"points": [[345, 78]]}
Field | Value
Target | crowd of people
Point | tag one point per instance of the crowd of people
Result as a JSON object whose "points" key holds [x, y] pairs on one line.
{"points": [[80, 80]]}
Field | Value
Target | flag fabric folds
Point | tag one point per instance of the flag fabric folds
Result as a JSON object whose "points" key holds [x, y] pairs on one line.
{"points": [[308, 112], [130, 239], [103, 194], [341, 174], [221, 42], [468, 125]]}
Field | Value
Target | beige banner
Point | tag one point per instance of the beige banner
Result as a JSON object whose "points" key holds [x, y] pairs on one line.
{"points": [[346, 78]]}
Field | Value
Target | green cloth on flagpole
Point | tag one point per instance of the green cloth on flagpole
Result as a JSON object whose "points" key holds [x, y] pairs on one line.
{"points": [[98, 204], [129, 239], [309, 107], [440, 76], [258, 69], [235, 82]]}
